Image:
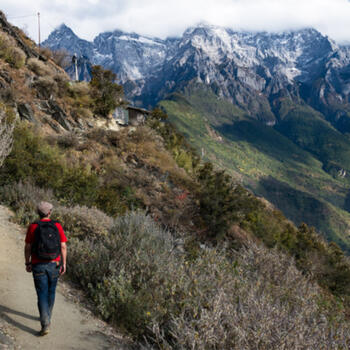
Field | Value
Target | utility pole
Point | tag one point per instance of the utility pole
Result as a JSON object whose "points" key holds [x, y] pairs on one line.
{"points": [[39, 29]]}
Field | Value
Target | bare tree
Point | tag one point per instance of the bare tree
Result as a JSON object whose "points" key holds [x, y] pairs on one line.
{"points": [[62, 58]]}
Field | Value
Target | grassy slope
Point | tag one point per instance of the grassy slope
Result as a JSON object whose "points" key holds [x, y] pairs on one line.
{"points": [[267, 161]]}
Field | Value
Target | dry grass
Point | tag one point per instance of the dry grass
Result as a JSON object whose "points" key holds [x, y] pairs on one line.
{"points": [[46, 52], [79, 88], [148, 147], [39, 67], [10, 53], [46, 87]]}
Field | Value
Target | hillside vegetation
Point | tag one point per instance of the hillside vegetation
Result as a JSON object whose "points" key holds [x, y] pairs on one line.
{"points": [[296, 164], [171, 250]]}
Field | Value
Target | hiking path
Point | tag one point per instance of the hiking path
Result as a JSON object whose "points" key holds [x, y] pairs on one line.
{"points": [[73, 327]]}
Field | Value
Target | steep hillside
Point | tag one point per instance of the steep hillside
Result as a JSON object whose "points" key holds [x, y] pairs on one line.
{"points": [[297, 165], [170, 249]]}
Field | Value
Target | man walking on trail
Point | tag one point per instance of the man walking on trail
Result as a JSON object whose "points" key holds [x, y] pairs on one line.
{"points": [[45, 256]]}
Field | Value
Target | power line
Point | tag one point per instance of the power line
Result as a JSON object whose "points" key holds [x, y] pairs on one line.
{"points": [[16, 17]]}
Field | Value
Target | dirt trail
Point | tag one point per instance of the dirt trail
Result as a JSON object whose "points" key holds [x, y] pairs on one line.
{"points": [[72, 326]]}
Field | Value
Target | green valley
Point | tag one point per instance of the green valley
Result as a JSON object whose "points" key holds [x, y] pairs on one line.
{"points": [[297, 164]]}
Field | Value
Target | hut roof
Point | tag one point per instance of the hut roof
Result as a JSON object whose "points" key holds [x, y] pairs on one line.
{"points": [[141, 110]]}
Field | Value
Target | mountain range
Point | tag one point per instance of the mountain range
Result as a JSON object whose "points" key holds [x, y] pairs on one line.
{"points": [[271, 108], [245, 68]]}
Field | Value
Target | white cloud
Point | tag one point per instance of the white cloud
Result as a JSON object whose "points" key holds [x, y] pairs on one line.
{"points": [[164, 18]]}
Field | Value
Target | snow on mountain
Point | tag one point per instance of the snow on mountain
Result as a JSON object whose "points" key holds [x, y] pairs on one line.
{"points": [[240, 65]]}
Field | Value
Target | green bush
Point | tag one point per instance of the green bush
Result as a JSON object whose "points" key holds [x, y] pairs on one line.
{"points": [[32, 159], [16, 57], [113, 198], [106, 94], [223, 204]]}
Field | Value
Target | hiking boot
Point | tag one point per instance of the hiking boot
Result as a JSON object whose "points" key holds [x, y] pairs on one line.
{"points": [[45, 330]]}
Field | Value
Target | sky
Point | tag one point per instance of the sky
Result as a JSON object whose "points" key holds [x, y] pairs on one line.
{"points": [[164, 18]]}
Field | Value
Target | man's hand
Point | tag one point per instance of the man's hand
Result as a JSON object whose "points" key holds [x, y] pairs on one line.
{"points": [[29, 268], [27, 256], [64, 258]]}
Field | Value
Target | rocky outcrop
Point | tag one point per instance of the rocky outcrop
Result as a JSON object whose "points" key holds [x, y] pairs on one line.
{"points": [[53, 110], [26, 112]]}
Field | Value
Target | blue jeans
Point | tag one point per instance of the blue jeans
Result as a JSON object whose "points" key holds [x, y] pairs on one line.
{"points": [[45, 281]]}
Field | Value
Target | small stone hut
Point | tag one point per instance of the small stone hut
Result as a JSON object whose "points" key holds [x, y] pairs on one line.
{"points": [[137, 116], [130, 116]]}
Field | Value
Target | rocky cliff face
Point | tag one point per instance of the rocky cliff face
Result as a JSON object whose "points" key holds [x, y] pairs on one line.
{"points": [[249, 69]]}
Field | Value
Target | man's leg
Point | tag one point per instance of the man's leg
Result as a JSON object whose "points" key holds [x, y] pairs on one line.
{"points": [[53, 273], [41, 282]]}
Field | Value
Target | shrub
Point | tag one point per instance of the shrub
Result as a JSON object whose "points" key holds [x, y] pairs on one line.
{"points": [[10, 53], [62, 81], [46, 52], [78, 186], [115, 198], [78, 221], [68, 140], [33, 159], [5, 43], [8, 95], [46, 87], [39, 67], [82, 112], [23, 198], [16, 57], [223, 204], [107, 95], [139, 280], [263, 303], [123, 271], [80, 96], [81, 221], [79, 89]]}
